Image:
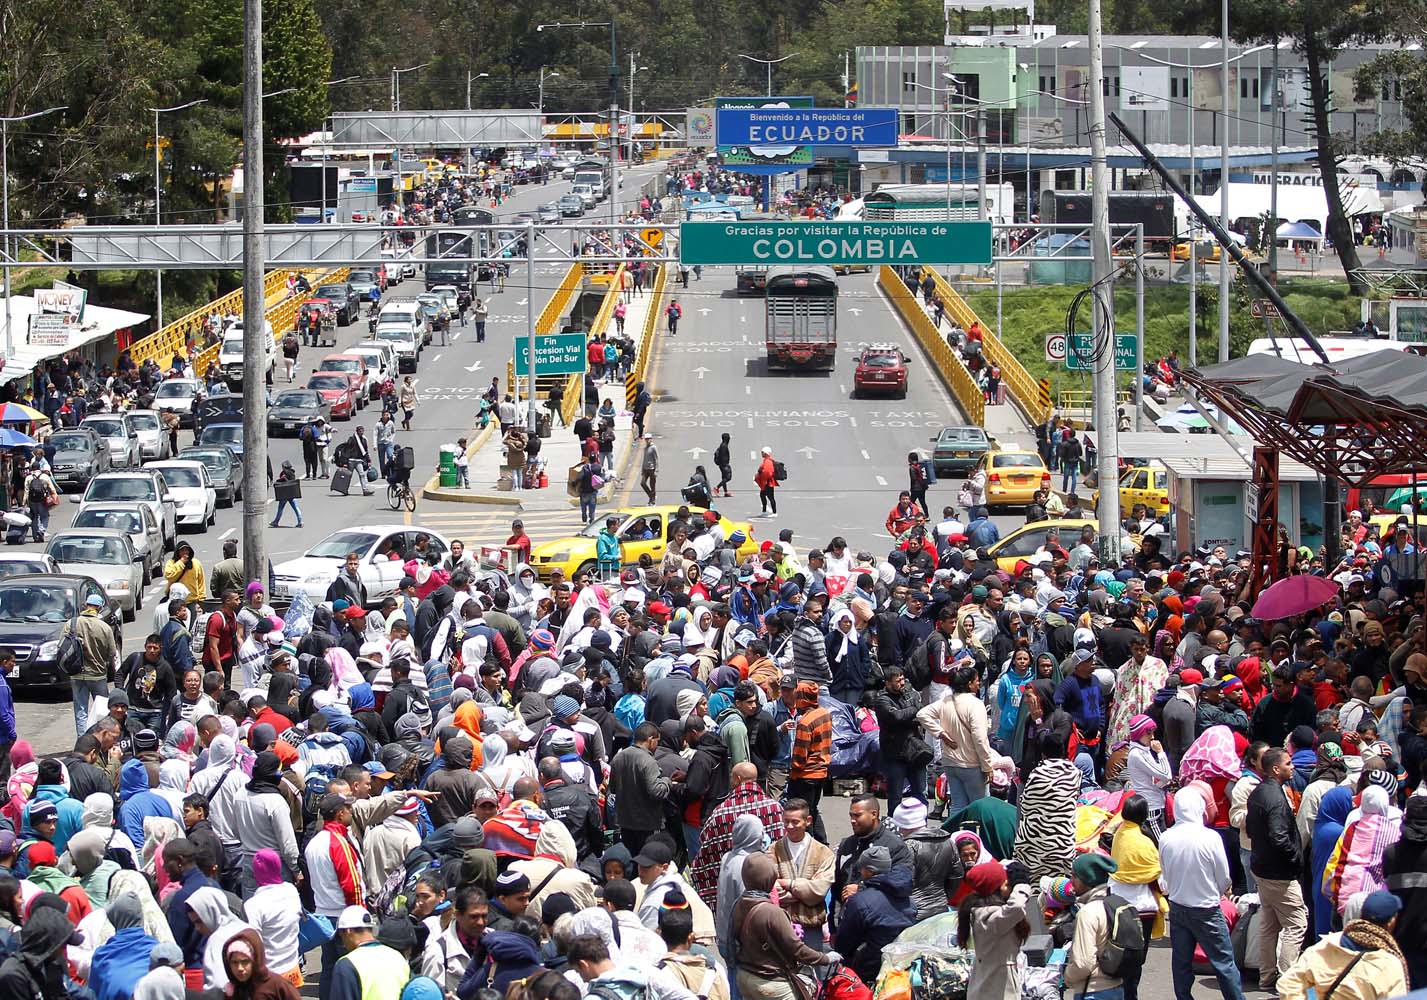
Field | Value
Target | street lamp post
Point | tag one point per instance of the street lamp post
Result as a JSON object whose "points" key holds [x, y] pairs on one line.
{"points": [[5, 174], [633, 69], [158, 204], [613, 112], [769, 63], [396, 83], [471, 78], [326, 141], [540, 106]]}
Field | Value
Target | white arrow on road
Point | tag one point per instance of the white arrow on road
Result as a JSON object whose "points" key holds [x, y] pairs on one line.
{"points": [[855, 312], [522, 302], [743, 319], [705, 311], [807, 452], [701, 371], [695, 452], [474, 368]]}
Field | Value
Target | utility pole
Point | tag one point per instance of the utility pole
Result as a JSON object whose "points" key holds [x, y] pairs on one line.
{"points": [[1102, 300], [1224, 192], [1272, 234], [1193, 239], [255, 348], [613, 136], [530, 417]]}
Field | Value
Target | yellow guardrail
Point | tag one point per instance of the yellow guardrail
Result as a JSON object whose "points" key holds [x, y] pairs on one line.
{"points": [[958, 380], [570, 284], [1084, 399], [173, 338], [1019, 382], [282, 316], [611, 299]]}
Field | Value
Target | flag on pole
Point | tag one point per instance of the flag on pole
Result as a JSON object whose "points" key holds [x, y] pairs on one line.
{"points": [[850, 98]]}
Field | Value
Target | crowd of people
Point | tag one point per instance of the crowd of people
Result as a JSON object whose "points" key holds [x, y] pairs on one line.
{"points": [[618, 782]]}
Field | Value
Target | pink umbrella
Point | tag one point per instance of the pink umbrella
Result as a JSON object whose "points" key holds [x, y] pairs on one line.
{"points": [[1294, 596]]}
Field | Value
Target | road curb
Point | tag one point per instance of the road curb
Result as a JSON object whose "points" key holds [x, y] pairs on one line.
{"points": [[433, 491]]}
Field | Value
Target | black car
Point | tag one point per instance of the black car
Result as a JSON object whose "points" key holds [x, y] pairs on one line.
{"points": [[33, 613], [752, 280], [344, 298], [292, 408], [224, 470]]}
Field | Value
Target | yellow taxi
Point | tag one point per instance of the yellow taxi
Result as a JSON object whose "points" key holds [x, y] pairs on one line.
{"points": [[1013, 476], [1025, 541], [852, 269], [1208, 250], [642, 530], [1146, 484]]}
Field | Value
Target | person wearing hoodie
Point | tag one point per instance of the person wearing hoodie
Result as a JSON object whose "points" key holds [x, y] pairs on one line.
{"points": [[249, 976], [511, 956], [1361, 962], [1194, 875], [1179, 716], [456, 782], [526, 593], [37, 968], [215, 922], [936, 866], [880, 910], [99, 815], [276, 910], [139, 801], [84, 859], [50, 787], [46, 875], [264, 817], [748, 838], [119, 963], [555, 869]]}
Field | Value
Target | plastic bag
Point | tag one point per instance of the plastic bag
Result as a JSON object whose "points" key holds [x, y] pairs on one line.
{"points": [[298, 620]]}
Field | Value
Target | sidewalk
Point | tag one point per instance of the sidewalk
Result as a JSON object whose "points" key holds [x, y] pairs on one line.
{"points": [[560, 451]]}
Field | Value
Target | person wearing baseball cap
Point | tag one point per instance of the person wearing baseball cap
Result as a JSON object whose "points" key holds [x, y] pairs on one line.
{"points": [[881, 909], [366, 967], [386, 845]]}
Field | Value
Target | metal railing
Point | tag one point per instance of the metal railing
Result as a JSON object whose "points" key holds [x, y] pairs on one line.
{"points": [[1084, 399], [173, 338], [646, 337], [1019, 382], [948, 365], [575, 384], [282, 316]]}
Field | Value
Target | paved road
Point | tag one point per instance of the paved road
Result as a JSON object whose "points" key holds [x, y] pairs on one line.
{"points": [[450, 380]]}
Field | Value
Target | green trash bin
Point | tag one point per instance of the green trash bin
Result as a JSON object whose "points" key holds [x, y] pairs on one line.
{"points": [[448, 465]]}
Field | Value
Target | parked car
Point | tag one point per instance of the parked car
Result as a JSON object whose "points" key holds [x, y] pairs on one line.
{"points": [[153, 439], [26, 563], [34, 611], [105, 556], [344, 299], [225, 472], [119, 434], [292, 409], [80, 455], [177, 395], [134, 520], [194, 497], [337, 392], [315, 570], [139, 486]]}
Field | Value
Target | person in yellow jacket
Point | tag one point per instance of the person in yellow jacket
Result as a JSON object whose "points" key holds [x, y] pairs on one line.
{"points": [[185, 568], [1362, 962]]}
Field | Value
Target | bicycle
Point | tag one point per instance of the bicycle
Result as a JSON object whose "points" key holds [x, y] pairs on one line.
{"points": [[399, 495]]}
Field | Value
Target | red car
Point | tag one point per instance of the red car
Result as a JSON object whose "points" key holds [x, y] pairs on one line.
{"points": [[336, 391], [881, 368], [354, 366]]}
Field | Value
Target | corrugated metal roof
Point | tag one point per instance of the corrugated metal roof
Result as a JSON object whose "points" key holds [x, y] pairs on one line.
{"points": [[1205, 456]]}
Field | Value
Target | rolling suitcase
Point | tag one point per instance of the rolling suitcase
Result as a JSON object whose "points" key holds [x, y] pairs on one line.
{"points": [[342, 481]]}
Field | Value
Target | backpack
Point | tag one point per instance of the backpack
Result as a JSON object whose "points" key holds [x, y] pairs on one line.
{"points": [[928, 471], [36, 492], [70, 656], [314, 786], [618, 990], [1123, 950], [289, 343], [941, 976], [918, 666], [124, 859], [780, 471]]}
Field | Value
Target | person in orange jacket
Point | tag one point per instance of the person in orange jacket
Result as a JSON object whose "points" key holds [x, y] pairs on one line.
{"points": [[767, 482]]}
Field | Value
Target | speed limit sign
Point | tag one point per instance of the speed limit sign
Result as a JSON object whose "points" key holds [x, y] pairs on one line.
{"points": [[1055, 347]]}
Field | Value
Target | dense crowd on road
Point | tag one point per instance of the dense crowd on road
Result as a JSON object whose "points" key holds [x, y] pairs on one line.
{"points": [[618, 784]]}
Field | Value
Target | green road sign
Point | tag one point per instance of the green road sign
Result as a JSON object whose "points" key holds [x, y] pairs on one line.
{"points": [[812, 243], [1080, 354], [555, 354]]}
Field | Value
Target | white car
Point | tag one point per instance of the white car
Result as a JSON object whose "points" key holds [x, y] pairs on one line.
{"points": [[399, 263], [153, 439], [119, 434], [404, 337], [140, 486], [105, 556], [177, 395], [313, 572], [449, 296], [381, 364], [136, 521], [26, 564], [192, 490]]}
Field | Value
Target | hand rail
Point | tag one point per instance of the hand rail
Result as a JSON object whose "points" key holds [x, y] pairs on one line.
{"points": [[946, 362], [282, 316], [163, 344], [1022, 386]]}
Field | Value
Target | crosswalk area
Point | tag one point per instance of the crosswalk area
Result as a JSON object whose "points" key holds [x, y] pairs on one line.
{"points": [[491, 525]]}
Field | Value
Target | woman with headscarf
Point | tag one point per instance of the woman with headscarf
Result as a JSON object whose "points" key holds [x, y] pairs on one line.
{"points": [[1045, 829], [133, 883], [120, 962], [991, 919], [99, 815], [1404, 865], [282, 690], [246, 968], [1138, 681], [1333, 811], [748, 835], [1250, 671], [767, 954], [84, 858], [179, 742], [173, 782], [721, 684], [1215, 758], [970, 851], [1038, 715], [1356, 863], [1136, 879], [320, 679], [345, 674], [276, 910], [24, 776], [217, 925], [1328, 773], [848, 656]]}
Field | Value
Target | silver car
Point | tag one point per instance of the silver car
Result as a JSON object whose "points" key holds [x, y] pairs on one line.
{"points": [[153, 439], [106, 556], [549, 212], [136, 521], [139, 486], [119, 434]]}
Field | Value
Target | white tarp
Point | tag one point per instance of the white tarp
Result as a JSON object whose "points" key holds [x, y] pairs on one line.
{"points": [[1296, 203], [99, 322]]}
